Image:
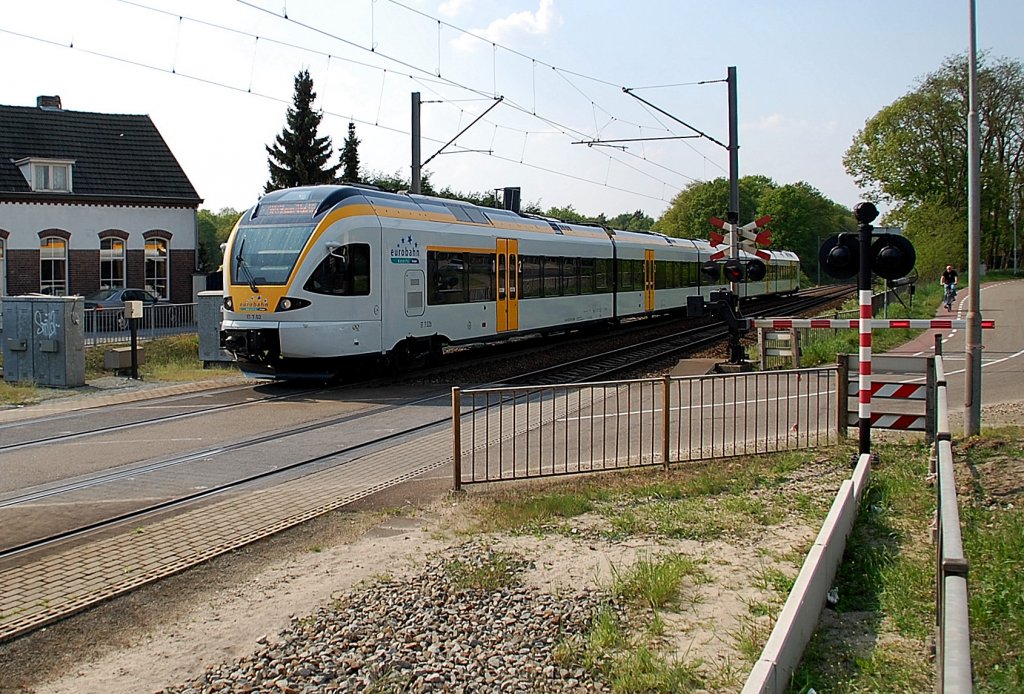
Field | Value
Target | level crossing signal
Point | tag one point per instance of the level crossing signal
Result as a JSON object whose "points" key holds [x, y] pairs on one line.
{"points": [[749, 236], [839, 256], [735, 270], [892, 256]]}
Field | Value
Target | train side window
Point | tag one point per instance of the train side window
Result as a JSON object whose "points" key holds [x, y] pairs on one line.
{"points": [[551, 271], [587, 275], [693, 274], [603, 275], [570, 277], [662, 278], [345, 271], [481, 276], [625, 276], [447, 273], [531, 277]]}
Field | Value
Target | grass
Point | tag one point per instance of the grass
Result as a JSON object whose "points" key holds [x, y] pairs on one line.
{"points": [[495, 571], [656, 600], [993, 534], [627, 663], [702, 502], [654, 582], [877, 638]]}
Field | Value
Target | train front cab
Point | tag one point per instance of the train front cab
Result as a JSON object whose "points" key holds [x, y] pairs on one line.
{"points": [[300, 290]]}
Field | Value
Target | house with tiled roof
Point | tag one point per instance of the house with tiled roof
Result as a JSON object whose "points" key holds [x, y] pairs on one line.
{"points": [[90, 201]]}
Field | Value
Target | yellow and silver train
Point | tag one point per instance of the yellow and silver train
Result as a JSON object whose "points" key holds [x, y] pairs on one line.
{"points": [[315, 276]]}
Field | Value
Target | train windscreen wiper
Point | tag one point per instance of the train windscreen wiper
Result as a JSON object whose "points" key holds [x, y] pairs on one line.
{"points": [[244, 267]]}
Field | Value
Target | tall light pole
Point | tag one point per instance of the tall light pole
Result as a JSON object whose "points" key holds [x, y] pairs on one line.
{"points": [[1013, 211], [972, 385], [416, 166]]}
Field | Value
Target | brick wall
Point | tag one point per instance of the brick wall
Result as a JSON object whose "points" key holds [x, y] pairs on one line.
{"points": [[22, 271], [84, 272], [183, 266]]}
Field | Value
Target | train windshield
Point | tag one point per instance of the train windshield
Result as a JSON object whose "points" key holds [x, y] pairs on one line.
{"points": [[267, 254]]}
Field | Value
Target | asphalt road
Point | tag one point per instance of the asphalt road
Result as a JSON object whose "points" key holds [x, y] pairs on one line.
{"points": [[1002, 366]]}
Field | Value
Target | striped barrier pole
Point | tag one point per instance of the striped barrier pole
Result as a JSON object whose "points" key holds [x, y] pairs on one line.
{"points": [[876, 323], [864, 381]]}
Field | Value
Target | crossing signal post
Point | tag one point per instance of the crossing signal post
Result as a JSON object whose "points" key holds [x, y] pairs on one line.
{"points": [[725, 304], [889, 256]]}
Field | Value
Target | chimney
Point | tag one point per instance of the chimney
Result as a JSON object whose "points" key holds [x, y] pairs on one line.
{"points": [[48, 103]]}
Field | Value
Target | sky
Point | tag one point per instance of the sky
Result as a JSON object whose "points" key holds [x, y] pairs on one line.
{"points": [[217, 78]]}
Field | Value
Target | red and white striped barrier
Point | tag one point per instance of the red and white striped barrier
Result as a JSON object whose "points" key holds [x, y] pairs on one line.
{"points": [[903, 422], [876, 323], [899, 391]]}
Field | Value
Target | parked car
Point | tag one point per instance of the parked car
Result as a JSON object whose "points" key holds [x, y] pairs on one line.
{"points": [[115, 298], [104, 310]]}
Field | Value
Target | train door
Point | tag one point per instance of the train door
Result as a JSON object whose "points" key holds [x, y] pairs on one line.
{"points": [[507, 282], [648, 280]]}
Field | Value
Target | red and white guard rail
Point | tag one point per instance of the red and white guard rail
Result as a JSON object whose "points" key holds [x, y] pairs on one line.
{"points": [[854, 323]]}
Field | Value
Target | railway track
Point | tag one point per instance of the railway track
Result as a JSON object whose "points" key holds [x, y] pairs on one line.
{"points": [[152, 489], [175, 478]]}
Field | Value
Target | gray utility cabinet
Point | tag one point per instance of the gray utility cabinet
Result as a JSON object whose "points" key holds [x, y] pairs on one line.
{"points": [[210, 311], [44, 340]]}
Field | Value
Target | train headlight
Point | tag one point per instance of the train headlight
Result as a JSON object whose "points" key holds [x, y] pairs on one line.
{"points": [[229, 303], [289, 304]]}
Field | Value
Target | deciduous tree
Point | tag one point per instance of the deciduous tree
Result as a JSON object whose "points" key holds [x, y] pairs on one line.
{"points": [[913, 154]]}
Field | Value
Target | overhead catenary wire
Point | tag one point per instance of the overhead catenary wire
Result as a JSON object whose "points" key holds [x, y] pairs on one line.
{"points": [[415, 72]]}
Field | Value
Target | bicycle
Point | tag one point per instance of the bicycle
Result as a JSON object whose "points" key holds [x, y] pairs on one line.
{"points": [[950, 297]]}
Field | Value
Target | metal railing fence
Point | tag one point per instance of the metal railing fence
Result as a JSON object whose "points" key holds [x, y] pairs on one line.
{"points": [[953, 638], [109, 326], [539, 431]]}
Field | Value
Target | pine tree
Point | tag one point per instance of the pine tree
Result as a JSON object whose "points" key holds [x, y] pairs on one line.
{"points": [[299, 157], [350, 156]]}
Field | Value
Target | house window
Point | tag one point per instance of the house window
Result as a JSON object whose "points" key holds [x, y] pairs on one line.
{"points": [[53, 266], [3, 268], [111, 263], [47, 174], [156, 267], [51, 177]]}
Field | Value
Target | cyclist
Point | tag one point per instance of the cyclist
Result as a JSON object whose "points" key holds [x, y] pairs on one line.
{"points": [[949, 282]]}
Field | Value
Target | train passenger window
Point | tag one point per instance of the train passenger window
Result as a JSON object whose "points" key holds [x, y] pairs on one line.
{"points": [[531, 277], [344, 271], [662, 276], [631, 276], [447, 273], [692, 275], [481, 276], [587, 275], [625, 276], [570, 277], [603, 275], [552, 269]]}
